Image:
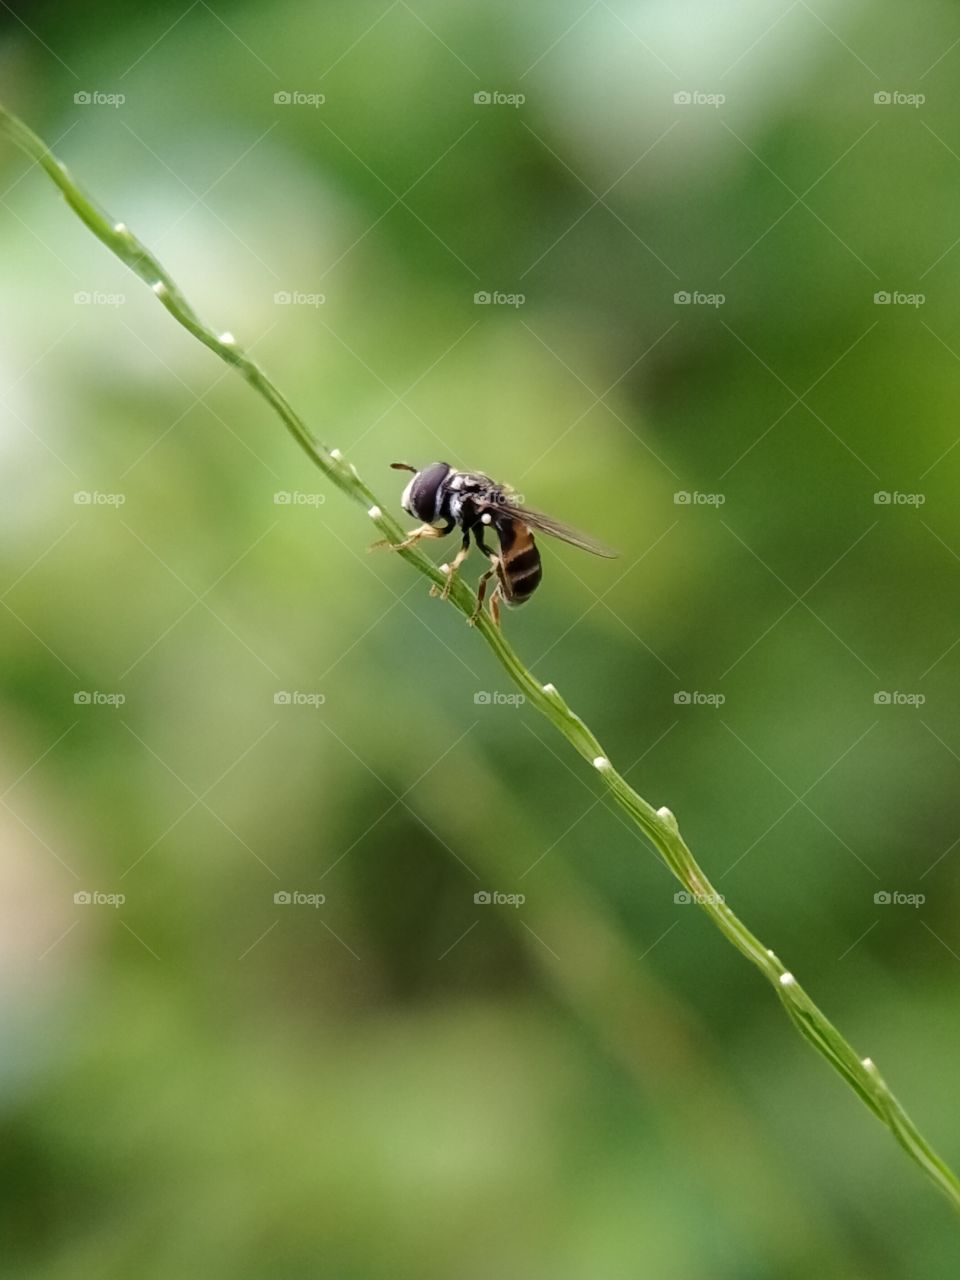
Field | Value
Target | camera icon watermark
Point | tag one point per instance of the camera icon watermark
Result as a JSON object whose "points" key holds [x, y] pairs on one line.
{"points": [[295, 698], [694, 498], [887, 898], [495, 98], [494, 698], [96, 698], [294, 498], [297, 98], [886, 698], [695, 698], [684, 898], [96, 898], [697, 98], [487, 897], [298, 298], [95, 298], [898, 298], [896, 98], [297, 898], [96, 98], [697, 298], [94, 498], [894, 498], [497, 298]]}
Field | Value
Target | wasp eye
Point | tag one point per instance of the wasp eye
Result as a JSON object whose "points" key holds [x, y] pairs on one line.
{"points": [[423, 495]]}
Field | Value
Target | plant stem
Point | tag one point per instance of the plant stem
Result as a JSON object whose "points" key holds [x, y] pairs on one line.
{"points": [[658, 825]]}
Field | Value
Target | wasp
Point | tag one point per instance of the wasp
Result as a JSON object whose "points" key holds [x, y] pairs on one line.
{"points": [[444, 499]]}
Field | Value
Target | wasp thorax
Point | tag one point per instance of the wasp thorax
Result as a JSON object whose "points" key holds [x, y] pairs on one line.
{"points": [[423, 495]]}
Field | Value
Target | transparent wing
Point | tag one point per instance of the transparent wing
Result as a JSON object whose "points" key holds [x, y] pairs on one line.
{"points": [[555, 528]]}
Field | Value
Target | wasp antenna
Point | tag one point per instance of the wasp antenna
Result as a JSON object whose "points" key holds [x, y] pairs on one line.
{"points": [[402, 466]]}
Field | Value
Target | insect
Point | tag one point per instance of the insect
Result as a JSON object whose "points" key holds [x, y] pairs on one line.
{"points": [[444, 498]]}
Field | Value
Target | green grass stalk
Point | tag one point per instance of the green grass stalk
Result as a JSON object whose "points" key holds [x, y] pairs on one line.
{"points": [[658, 825]]}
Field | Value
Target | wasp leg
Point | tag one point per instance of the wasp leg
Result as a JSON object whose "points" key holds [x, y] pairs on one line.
{"points": [[452, 568], [478, 531], [414, 536], [478, 538], [481, 593], [495, 605]]}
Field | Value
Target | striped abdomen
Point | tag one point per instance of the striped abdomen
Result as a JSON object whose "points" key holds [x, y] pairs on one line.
{"points": [[518, 566]]}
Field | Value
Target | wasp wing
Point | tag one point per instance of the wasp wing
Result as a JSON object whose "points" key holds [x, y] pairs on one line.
{"points": [[555, 528]]}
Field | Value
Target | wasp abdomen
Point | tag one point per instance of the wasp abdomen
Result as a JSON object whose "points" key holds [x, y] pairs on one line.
{"points": [[518, 569]]}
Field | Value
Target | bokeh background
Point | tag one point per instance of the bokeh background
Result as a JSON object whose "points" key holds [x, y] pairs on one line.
{"points": [[403, 1081]]}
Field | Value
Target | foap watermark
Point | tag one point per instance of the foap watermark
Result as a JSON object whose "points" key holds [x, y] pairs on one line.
{"points": [[696, 698], [97, 98], [497, 98], [694, 498], [294, 498], [297, 898], [897, 98], [298, 98], [496, 298], [683, 897], [494, 898], [897, 298], [298, 298], [894, 698], [97, 898], [97, 698], [696, 298], [894, 498], [894, 898], [95, 298], [507, 498], [494, 698], [698, 98], [94, 498], [294, 698]]}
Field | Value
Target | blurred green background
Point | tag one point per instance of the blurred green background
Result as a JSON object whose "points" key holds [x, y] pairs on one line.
{"points": [[403, 1081]]}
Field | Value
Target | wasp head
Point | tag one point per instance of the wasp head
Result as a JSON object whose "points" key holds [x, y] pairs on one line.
{"points": [[422, 496]]}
